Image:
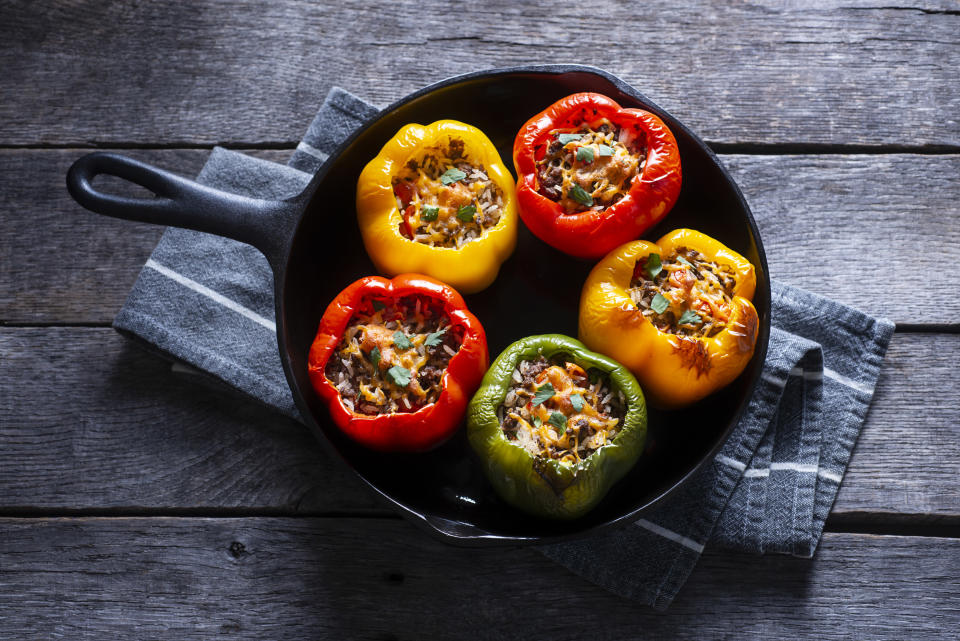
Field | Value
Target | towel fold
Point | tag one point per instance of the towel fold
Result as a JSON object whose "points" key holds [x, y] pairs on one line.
{"points": [[207, 302]]}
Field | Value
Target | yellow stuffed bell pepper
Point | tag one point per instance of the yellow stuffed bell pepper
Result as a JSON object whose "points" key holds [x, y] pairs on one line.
{"points": [[438, 200], [677, 313]]}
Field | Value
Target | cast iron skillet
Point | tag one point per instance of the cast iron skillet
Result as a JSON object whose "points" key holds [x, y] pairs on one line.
{"points": [[314, 247]]}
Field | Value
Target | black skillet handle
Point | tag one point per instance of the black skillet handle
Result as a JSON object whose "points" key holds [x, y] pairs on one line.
{"points": [[265, 224]]}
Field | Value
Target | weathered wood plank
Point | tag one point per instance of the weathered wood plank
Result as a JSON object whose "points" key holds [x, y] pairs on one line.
{"points": [[844, 226], [255, 578], [825, 72], [831, 224], [59, 262], [88, 421]]}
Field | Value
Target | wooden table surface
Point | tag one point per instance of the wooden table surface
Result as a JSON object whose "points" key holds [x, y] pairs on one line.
{"points": [[135, 503]]}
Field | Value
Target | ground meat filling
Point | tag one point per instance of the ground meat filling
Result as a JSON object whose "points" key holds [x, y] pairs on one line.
{"points": [[393, 355], [556, 410], [689, 296], [590, 167], [447, 198]]}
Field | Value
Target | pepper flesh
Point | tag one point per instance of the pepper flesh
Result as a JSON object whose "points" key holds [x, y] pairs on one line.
{"points": [[546, 487], [673, 370], [469, 268], [593, 233], [431, 424]]}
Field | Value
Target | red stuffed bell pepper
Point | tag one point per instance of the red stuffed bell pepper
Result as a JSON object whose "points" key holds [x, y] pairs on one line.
{"points": [[396, 361], [592, 176]]}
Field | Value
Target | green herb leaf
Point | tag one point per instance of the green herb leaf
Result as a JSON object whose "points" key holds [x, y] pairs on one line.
{"points": [[580, 195], [401, 341], [690, 317], [660, 303], [681, 259], [559, 421], [568, 138], [537, 422], [585, 154], [429, 214], [466, 213], [577, 401], [435, 338], [377, 305], [603, 150], [375, 357], [545, 393], [400, 376], [451, 176], [653, 265]]}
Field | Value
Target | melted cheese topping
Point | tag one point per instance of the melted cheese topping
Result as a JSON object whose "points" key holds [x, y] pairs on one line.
{"points": [[569, 425], [689, 283], [393, 359], [604, 172], [419, 189]]}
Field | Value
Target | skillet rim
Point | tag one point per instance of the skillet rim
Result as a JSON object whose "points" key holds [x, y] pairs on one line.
{"points": [[430, 524]]}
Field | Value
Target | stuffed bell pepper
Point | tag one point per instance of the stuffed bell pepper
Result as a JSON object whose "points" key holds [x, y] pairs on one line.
{"points": [[556, 425], [438, 200], [592, 175], [676, 312], [397, 360]]}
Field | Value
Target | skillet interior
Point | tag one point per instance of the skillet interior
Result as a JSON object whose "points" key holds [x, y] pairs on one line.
{"points": [[536, 292]]}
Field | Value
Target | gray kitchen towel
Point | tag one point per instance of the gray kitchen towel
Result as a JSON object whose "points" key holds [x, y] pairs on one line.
{"points": [[207, 302]]}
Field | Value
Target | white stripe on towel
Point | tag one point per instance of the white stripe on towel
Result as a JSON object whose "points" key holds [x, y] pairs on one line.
{"points": [[809, 376], [313, 151], [670, 534], [212, 295], [849, 382], [779, 382], [735, 464], [764, 472]]}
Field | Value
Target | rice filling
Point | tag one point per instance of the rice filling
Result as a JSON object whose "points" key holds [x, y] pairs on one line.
{"points": [[393, 355], [590, 167], [690, 296], [555, 409], [447, 199]]}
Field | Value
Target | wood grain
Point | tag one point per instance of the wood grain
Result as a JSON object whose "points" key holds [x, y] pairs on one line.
{"points": [[850, 72], [846, 227], [256, 578], [90, 422]]}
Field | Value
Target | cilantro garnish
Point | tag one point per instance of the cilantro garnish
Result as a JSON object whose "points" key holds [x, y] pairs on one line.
{"points": [[580, 195], [559, 421], [653, 266], [543, 394], [435, 338], [451, 176], [568, 138], [399, 376], [577, 401], [660, 303], [401, 341]]}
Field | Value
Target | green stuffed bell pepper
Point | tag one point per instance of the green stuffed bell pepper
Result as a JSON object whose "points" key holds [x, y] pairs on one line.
{"points": [[556, 425]]}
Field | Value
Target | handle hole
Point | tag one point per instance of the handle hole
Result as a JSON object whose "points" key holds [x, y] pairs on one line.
{"points": [[107, 184]]}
